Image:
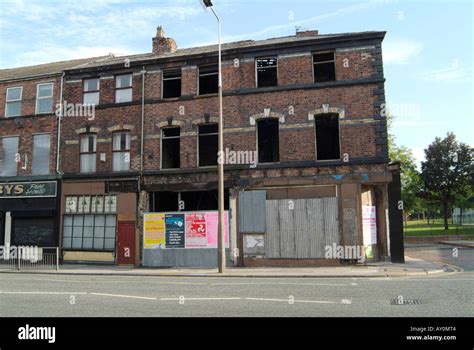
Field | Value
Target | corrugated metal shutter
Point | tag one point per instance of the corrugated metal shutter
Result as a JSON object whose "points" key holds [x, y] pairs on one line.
{"points": [[252, 211], [302, 232]]}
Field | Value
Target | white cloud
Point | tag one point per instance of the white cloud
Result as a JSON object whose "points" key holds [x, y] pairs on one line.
{"points": [[453, 73], [400, 51], [419, 154]]}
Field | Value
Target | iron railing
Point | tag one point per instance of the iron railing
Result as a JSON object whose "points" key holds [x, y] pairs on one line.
{"points": [[30, 258]]}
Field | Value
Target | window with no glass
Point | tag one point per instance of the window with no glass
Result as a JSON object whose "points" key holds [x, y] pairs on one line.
{"points": [[208, 79], [324, 68], [121, 151], [41, 150], [170, 142], [268, 141], [207, 144], [10, 150], [171, 83], [91, 92], [267, 72], [13, 102], [123, 88], [44, 98], [88, 153], [327, 136]]}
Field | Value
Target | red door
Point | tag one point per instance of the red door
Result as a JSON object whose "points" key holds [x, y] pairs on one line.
{"points": [[126, 243]]}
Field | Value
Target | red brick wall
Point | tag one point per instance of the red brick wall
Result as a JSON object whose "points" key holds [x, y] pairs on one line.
{"points": [[30, 124]]}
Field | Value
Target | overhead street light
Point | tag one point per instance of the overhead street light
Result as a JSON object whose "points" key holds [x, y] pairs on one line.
{"points": [[221, 258]]}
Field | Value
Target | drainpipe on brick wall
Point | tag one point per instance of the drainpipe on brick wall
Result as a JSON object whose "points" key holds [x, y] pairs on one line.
{"points": [[58, 149], [142, 139]]}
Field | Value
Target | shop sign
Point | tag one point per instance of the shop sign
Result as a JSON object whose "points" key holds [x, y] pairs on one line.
{"points": [[28, 189]]}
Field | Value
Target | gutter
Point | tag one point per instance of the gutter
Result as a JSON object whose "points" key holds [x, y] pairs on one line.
{"points": [[142, 138]]}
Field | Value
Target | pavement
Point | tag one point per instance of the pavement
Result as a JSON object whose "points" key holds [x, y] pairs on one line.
{"points": [[412, 267], [465, 244]]}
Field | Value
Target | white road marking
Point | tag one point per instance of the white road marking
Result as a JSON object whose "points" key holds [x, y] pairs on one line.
{"points": [[276, 283], [346, 301], [124, 296], [293, 301], [46, 293], [186, 298]]}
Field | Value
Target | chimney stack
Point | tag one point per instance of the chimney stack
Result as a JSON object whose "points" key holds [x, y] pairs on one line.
{"points": [[162, 45], [306, 32]]}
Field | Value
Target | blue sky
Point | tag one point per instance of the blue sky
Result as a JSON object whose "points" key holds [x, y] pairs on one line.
{"points": [[428, 50]]}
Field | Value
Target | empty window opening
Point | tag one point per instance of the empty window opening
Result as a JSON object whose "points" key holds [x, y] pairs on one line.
{"points": [[208, 80], [327, 137], [171, 83], [267, 72], [324, 67], [170, 148], [167, 201], [268, 141], [207, 144]]}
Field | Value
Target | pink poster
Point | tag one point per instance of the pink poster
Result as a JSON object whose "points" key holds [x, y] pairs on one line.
{"points": [[212, 224], [196, 230]]}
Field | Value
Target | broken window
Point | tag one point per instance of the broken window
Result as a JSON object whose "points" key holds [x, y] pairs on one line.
{"points": [[324, 67], [171, 83], [268, 141], [267, 72], [327, 136], [170, 148], [208, 138], [208, 80]]}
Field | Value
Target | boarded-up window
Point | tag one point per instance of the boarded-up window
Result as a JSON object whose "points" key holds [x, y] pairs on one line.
{"points": [[208, 138], [268, 141], [170, 142], [327, 136]]}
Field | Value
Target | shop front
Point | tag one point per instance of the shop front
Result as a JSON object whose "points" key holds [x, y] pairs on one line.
{"points": [[28, 213], [98, 221]]}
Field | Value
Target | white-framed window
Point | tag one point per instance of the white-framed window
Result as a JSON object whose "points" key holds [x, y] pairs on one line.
{"points": [[9, 150], [44, 98], [91, 92], [121, 151], [41, 153], [88, 153], [123, 88], [90, 222], [13, 101]]}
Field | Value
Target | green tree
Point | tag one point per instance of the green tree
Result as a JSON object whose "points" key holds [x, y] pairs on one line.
{"points": [[409, 175], [447, 171]]}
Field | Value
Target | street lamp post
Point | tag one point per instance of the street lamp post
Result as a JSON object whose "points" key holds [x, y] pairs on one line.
{"points": [[221, 258]]}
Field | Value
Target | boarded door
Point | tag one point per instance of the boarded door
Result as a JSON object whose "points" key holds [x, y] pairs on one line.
{"points": [[126, 243], [300, 228]]}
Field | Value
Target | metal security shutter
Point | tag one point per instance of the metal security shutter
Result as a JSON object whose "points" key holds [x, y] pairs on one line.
{"points": [[252, 211], [302, 232]]}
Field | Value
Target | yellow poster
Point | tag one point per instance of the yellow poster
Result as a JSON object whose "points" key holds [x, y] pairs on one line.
{"points": [[154, 231]]}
